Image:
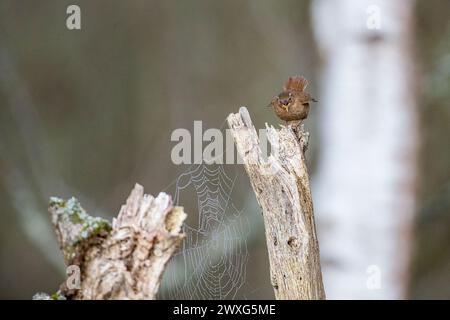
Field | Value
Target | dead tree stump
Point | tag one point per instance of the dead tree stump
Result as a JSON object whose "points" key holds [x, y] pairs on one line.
{"points": [[122, 260], [281, 186]]}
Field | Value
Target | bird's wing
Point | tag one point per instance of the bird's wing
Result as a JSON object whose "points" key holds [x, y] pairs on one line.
{"points": [[295, 84]]}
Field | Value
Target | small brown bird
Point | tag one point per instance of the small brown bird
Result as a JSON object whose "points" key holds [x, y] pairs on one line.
{"points": [[293, 103]]}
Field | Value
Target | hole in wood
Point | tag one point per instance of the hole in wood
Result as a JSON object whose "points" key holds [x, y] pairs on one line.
{"points": [[292, 242]]}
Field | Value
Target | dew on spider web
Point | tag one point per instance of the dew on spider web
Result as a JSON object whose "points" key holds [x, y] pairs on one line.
{"points": [[211, 263]]}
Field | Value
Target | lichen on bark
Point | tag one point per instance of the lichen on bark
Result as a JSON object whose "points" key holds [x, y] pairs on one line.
{"points": [[124, 259], [75, 228]]}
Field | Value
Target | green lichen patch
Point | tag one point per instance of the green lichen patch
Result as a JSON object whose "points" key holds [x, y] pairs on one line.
{"points": [[57, 202], [41, 296], [71, 209], [57, 296], [75, 227], [44, 296]]}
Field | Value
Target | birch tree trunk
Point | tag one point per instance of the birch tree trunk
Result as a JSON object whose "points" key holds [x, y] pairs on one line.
{"points": [[366, 180]]}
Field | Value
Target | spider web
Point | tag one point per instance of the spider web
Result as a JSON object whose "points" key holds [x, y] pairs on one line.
{"points": [[211, 264]]}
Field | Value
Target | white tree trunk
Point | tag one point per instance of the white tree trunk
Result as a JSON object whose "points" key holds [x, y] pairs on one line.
{"points": [[364, 191]]}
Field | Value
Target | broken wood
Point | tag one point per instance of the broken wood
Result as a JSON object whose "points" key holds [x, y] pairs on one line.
{"points": [[124, 260], [281, 186]]}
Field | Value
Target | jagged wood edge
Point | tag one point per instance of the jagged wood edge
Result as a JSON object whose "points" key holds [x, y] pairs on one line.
{"points": [[125, 260], [281, 186]]}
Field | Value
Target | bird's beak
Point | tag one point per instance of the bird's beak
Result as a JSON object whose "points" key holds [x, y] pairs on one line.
{"points": [[314, 100]]}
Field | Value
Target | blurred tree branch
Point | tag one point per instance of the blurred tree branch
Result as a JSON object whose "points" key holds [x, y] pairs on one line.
{"points": [[20, 186]]}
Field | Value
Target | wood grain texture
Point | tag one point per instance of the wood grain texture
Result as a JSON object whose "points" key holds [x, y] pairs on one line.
{"points": [[124, 260], [281, 186]]}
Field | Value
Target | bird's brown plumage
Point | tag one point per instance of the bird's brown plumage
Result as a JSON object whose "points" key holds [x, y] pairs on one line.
{"points": [[295, 84], [293, 103]]}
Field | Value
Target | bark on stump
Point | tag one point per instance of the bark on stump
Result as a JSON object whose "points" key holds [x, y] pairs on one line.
{"points": [[281, 186], [124, 260]]}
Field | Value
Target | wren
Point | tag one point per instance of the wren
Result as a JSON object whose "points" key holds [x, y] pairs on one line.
{"points": [[292, 104]]}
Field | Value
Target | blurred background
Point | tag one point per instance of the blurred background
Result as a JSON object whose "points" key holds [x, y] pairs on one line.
{"points": [[88, 113]]}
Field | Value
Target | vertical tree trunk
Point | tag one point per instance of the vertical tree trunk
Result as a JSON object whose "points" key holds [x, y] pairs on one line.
{"points": [[281, 186], [365, 186]]}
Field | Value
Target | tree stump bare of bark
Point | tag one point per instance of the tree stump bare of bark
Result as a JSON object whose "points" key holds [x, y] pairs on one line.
{"points": [[124, 260], [281, 186]]}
